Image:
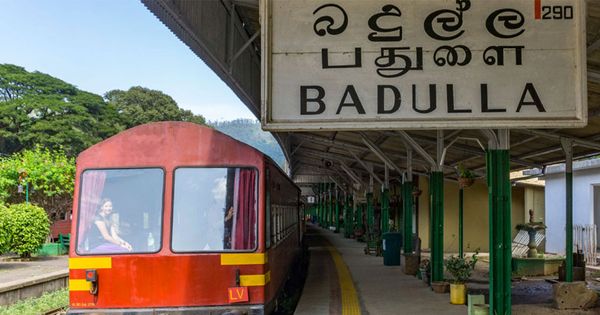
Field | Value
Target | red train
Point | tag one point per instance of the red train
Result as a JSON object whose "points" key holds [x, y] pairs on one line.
{"points": [[177, 218]]}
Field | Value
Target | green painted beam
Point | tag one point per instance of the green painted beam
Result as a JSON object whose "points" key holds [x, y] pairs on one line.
{"points": [[322, 206], [569, 227], [337, 213], [385, 210], [348, 231], [360, 224], [370, 213], [436, 191], [407, 207], [499, 192], [461, 193]]}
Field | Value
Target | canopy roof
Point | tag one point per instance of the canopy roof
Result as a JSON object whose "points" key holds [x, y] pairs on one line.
{"points": [[226, 35]]}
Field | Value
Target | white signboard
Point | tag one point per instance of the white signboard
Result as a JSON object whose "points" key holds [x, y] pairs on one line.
{"points": [[406, 64]]}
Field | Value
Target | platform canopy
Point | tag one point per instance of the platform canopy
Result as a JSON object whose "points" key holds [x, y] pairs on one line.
{"points": [[225, 34]]}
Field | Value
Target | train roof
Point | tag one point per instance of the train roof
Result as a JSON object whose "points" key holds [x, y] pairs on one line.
{"points": [[169, 144]]}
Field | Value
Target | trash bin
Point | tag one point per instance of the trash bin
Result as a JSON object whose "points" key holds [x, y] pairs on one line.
{"points": [[392, 242]]}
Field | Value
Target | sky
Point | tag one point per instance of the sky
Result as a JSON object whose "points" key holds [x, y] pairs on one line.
{"points": [[101, 45]]}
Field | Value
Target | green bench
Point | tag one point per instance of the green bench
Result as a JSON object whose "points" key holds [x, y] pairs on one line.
{"points": [[64, 240]]}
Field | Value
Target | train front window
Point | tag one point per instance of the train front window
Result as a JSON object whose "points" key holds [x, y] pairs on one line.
{"points": [[120, 211], [214, 209]]}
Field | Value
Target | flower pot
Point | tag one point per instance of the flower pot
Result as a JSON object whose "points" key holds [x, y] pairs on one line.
{"points": [[440, 287], [410, 263], [458, 293], [465, 182]]}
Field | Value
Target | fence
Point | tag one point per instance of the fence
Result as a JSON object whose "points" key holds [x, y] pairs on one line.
{"points": [[584, 239], [519, 244]]}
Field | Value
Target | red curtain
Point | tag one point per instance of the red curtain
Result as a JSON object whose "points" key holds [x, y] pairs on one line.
{"points": [[91, 190], [244, 234]]}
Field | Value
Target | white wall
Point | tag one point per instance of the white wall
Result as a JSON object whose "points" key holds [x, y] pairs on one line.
{"points": [[586, 174]]}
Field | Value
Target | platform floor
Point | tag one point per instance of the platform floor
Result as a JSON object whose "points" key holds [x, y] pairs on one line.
{"points": [[380, 289], [384, 289]]}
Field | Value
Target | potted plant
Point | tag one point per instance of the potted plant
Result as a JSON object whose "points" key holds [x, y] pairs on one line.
{"points": [[416, 192], [425, 270], [460, 269], [466, 177]]}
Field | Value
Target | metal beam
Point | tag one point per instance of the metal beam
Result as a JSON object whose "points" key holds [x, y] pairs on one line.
{"points": [[379, 153], [351, 174], [417, 148], [369, 169], [440, 151], [558, 137], [337, 184], [241, 50], [473, 150], [350, 146]]}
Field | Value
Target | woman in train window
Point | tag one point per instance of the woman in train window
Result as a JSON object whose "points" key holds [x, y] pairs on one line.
{"points": [[104, 237]]}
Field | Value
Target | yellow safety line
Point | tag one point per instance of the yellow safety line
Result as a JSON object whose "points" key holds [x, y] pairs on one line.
{"points": [[244, 259], [255, 280], [90, 263], [79, 285], [350, 305]]}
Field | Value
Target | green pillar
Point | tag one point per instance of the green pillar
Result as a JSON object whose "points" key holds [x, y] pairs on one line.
{"points": [[569, 227], [385, 210], [337, 212], [460, 221], [436, 191], [330, 205], [325, 204], [499, 191], [370, 213], [347, 216], [567, 146], [360, 224], [321, 204], [407, 206]]}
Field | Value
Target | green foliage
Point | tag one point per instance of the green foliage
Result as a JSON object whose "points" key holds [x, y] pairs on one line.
{"points": [[3, 229], [465, 173], [460, 267], [50, 176], [250, 132], [27, 227], [38, 109], [425, 264], [42, 305], [140, 105]]}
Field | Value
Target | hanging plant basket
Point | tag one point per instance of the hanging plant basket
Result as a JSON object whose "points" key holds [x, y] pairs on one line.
{"points": [[464, 182], [417, 192]]}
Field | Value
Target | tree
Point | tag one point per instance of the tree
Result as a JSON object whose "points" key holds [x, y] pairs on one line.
{"points": [[140, 105], [27, 227], [3, 229], [50, 176], [38, 109]]}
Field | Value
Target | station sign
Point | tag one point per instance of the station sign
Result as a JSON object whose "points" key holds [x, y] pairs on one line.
{"points": [[427, 64]]}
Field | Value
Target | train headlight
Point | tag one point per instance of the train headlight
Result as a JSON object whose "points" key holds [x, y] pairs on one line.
{"points": [[91, 275]]}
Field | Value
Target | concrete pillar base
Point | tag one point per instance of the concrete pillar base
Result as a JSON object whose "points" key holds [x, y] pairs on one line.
{"points": [[573, 295]]}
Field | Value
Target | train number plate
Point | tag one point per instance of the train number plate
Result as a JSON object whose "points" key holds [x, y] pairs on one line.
{"points": [[237, 294]]}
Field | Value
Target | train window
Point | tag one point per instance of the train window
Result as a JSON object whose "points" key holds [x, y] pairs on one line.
{"points": [[214, 209], [120, 211]]}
